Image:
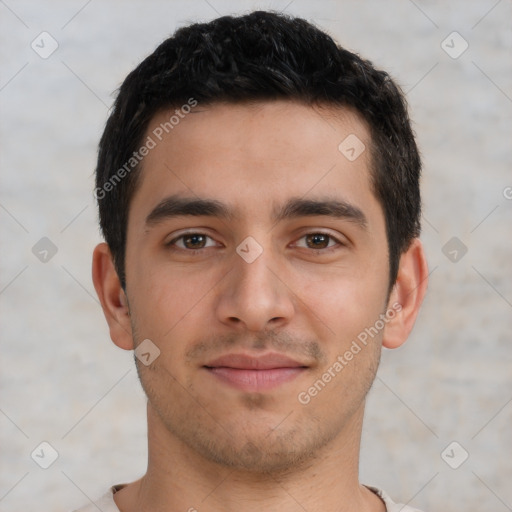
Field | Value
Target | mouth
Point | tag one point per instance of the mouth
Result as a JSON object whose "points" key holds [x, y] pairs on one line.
{"points": [[255, 374]]}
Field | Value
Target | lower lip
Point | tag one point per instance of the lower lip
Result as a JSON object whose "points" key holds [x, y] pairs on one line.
{"points": [[255, 380]]}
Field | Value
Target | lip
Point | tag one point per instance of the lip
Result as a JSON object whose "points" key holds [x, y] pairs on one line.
{"points": [[255, 373], [268, 361]]}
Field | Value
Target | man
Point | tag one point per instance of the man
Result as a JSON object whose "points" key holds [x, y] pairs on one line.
{"points": [[258, 193]]}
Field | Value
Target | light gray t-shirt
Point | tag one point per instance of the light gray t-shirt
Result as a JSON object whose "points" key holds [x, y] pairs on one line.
{"points": [[107, 504]]}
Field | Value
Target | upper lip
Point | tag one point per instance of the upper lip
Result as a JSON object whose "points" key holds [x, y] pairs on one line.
{"points": [[247, 362]]}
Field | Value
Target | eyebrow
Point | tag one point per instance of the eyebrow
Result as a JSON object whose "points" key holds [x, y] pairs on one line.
{"points": [[328, 207], [178, 206]]}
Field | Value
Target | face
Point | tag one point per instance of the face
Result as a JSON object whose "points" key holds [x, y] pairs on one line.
{"points": [[256, 256]]}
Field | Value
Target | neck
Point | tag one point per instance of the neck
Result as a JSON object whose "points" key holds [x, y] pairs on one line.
{"points": [[178, 478]]}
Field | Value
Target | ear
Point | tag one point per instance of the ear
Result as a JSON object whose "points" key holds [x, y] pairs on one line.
{"points": [[408, 292], [112, 297]]}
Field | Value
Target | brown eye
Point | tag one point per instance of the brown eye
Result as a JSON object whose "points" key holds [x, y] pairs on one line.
{"points": [[317, 240], [194, 241]]}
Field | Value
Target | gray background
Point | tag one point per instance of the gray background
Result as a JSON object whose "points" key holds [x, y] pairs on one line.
{"points": [[64, 382]]}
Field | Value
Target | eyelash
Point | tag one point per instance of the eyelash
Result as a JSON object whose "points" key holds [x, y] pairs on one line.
{"points": [[172, 243]]}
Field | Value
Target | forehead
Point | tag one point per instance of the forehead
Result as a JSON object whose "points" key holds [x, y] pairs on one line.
{"points": [[255, 156]]}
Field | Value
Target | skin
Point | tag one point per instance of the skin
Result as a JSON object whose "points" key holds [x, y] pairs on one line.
{"points": [[212, 446]]}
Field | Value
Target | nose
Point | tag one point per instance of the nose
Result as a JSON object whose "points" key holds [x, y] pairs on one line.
{"points": [[254, 295]]}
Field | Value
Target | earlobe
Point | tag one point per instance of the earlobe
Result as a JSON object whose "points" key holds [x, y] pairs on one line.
{"points": [[409, 290], [112, 297]]}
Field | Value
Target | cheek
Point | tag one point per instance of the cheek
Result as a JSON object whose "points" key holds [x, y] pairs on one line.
{"points": [[345, 303], [166, 299], [347, 311]]}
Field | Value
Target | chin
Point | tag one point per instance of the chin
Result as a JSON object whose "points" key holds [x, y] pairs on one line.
{"points": [[267, 451]]}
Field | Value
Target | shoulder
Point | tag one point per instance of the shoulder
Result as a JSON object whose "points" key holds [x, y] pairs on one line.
{"points": [[106, 503], [391, 506]]}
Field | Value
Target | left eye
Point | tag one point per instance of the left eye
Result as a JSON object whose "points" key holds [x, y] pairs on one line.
{"points": [[192, 241], [319, 241]]}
